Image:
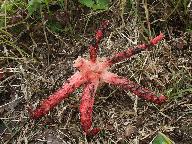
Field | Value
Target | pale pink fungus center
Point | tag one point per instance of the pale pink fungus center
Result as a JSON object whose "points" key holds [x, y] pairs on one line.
{"points": [[93, 71]]}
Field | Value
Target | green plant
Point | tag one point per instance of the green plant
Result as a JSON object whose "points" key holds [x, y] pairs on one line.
{"points": [[36, 5], [55, 26], [161, 139], [8, 9], [180, 86], [10, 6], [96, 4]]}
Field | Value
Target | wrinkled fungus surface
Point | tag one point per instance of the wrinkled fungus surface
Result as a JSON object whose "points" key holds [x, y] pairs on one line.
{"points": [[93, 72]]}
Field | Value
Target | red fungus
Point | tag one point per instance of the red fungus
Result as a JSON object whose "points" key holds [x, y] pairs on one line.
{"points": [[68, 87], [93, 72], [86, 108]]}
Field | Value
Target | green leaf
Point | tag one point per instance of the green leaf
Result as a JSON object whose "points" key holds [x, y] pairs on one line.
{"points": [[88, 3], [161, 139], [55, 26], [34, 5], [6, 6], [11, 6], [96, 4]]}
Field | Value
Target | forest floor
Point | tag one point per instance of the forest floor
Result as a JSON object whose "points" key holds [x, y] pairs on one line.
{"points": [[37, 54]]}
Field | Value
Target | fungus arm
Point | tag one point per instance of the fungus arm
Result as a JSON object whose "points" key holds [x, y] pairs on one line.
{"points": [[86, 108], [68, 87], [93, 48], [135, 88], [135, 50]]}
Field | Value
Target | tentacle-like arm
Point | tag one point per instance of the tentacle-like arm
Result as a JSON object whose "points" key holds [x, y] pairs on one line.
{"points": [[135, 88], [68, 87], [86, 108], [135, 50], [93, 48]]}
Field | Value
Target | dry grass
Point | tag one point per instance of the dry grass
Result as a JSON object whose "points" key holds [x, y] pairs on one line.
{"points": [[36, 61]]}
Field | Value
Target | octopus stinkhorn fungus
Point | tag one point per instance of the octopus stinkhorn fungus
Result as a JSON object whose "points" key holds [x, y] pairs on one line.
{"points": [[91, 73]]}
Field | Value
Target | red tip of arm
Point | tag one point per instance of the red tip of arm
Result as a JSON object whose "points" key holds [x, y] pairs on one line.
{"points": [[134, 88], [134, 50], [157, 39], [93, 49], [86, 108]]}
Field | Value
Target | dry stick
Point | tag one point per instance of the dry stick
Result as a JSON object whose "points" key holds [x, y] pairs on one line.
{"points": [[68, 87], [86, 109], [93, 48], [133, 87], [132, 51]]}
